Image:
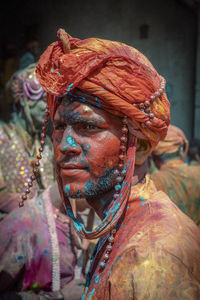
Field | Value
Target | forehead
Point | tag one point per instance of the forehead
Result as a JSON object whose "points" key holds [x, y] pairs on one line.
{"points": [[69, 108]]}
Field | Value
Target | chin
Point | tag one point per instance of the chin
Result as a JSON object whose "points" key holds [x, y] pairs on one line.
{"points": [[73, 190]]}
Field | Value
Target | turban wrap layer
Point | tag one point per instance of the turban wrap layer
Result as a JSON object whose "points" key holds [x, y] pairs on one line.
{"points": [[118, 76]]}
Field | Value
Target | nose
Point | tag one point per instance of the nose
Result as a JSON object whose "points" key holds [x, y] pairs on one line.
{"points": [[69, 145]]}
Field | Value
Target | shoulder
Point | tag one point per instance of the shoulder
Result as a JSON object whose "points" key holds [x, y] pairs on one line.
{"points": [[164, 230], [153, 274]]}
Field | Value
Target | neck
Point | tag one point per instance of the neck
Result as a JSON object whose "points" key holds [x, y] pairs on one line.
{"points": [[101, 204]]}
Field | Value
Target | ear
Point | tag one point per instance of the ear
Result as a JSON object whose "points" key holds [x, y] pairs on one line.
{"points": [[143, 150]]}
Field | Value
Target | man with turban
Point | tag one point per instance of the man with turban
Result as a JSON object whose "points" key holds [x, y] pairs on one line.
{"points": [[109, 110], [178, 180]]}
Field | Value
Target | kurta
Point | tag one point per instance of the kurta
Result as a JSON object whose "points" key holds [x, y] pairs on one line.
{"points": [[182, 184], [155, 255]]}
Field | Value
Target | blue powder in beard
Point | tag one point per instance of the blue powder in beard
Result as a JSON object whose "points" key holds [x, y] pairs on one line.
{"points": [[89, 187], [103, 185]]}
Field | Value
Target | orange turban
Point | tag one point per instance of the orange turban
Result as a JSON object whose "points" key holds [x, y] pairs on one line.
{"points": [[174, 139], [118, 75]]}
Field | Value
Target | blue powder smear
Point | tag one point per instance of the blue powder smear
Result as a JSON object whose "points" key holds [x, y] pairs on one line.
{"points": [[98, 102], [69, 87], [67, 189], [96, 280], [71, 141], [143, 201], [91, 293]]}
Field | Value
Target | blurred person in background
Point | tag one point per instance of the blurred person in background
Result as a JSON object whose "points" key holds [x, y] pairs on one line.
{"points": [[178, 180], [20, 140], [31, 54]]}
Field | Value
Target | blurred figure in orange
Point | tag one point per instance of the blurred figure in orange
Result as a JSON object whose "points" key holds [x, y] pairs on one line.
{"points": [[178, 180]]}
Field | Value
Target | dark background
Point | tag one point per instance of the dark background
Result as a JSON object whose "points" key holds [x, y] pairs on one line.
{"points": [[165, 31]]}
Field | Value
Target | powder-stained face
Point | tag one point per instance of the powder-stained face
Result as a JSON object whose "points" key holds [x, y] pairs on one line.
{"points": [[37, 109], [86, 143]]}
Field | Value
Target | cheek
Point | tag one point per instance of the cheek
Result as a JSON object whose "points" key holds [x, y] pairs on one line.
{"points": [[56, 142], [104, 155]]}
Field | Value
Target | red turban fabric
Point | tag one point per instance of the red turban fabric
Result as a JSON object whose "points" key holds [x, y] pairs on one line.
{"points": [[117, 74]]}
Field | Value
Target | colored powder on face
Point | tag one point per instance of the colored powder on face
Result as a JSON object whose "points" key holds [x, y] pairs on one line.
{"points": [[104, 184], [85, 148], [71, 142], [89, 187]]}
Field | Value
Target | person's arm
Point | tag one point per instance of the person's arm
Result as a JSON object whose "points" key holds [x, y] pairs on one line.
{"points": [[158, 276]]}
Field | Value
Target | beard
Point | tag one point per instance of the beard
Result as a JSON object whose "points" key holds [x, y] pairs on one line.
{"points": [[93, 189]]}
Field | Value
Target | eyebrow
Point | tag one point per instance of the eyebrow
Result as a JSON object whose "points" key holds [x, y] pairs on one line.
{"points": [[74, 118]]}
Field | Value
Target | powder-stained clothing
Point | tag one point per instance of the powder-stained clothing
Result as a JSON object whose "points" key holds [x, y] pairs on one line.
{"points": [[155, 255], [26, 250], [182, 184]]}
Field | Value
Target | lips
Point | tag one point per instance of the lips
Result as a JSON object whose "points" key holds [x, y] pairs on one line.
{"points": [[69, 166], [71, 169]]}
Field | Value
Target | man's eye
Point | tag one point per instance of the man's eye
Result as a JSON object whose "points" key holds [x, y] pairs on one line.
{"points": [[59, 127], [90, 127]]}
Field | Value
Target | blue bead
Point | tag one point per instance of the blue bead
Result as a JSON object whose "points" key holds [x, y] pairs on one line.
{"points": [[117, 187]]}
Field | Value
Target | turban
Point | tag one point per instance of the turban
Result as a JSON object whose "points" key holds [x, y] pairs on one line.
{"points": [[174, 139], [120, 77], [24, 84]]}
